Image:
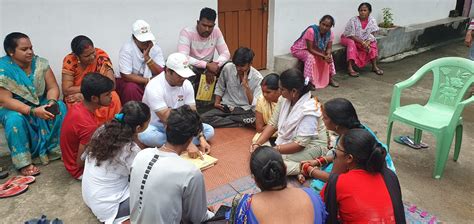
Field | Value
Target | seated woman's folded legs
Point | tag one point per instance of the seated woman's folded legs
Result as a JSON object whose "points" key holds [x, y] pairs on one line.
{"points": [[292, 161], [17, 134]]}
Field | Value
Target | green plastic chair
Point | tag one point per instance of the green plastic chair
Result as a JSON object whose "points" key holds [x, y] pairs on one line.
{"points": [[452, 78]]}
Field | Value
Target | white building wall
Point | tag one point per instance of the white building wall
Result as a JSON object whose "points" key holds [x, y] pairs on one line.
{"points": [[291, 17], [51, 24]]}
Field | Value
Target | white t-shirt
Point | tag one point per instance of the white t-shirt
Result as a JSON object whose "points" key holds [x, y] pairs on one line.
{"points": [[105, 186], [159, 95], [164, 188], [131, 59]]}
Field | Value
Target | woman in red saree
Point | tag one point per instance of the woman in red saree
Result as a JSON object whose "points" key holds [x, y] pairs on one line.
{"points": [[84, 59]]}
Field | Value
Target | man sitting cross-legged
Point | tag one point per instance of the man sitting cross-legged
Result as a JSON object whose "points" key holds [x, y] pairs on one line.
{"points": [[80, 121], [168, 91], [164, 188], [237, 91]]}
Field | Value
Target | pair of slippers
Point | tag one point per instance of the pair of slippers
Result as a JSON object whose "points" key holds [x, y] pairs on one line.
{"points": [[15, 186], [407, 140], [356, 74]]}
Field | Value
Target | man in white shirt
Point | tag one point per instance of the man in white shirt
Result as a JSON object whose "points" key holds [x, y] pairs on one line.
{"points": [[139, 60], [168, 91], [237, 91], [164, 188]]}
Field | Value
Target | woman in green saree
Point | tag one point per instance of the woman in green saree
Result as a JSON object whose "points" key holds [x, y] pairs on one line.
{"points": [[29, 108]]}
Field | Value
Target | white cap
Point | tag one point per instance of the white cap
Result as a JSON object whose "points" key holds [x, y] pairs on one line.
{"points": [[142, 31], [179, 63]]}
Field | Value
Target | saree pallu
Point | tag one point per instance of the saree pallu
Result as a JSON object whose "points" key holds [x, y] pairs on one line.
{"points": [[101, 65], [29, 137]]}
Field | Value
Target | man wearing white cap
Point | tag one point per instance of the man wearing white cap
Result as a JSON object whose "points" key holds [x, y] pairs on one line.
{"points": [[139, 60], [171, 90]]}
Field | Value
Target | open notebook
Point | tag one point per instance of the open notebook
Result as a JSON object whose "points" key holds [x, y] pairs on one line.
{"points": [[208, 161]]}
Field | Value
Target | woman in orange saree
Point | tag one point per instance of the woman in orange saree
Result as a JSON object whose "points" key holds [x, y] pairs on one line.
{"points": [[84, 59]]}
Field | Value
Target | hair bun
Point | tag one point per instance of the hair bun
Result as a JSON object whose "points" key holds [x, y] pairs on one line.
{"points": [[271, 171]]}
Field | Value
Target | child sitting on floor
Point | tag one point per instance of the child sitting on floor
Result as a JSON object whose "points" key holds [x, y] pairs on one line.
{"points": [[266, 103]]}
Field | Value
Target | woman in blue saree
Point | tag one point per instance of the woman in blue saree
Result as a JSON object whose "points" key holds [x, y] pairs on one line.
{"points": [[277, 203], [29, 108]]}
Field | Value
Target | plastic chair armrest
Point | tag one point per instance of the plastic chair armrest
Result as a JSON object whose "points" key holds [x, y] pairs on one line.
{"points": [[399, 87], [459, 108]]}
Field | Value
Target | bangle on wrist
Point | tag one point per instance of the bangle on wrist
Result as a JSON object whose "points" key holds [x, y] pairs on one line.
{"points": [[278, 147], [256, 144], [32, 111], [52, 100], [149, 61]]}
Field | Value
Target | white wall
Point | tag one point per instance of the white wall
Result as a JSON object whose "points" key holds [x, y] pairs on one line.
{"points": [[291, 17], [51, 24]]}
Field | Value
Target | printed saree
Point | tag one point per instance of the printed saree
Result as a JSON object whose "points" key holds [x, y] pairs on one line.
{"points": [[101, 65], [29, 136]]}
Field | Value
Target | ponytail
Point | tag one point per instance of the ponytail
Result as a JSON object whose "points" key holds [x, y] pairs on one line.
{"points": [[376, 160], [367, 152]]}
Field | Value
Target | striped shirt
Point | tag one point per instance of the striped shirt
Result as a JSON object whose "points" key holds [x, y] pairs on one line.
{"points": [[201, 50], [471, 25]]}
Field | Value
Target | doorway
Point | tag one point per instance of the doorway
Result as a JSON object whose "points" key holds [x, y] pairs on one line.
{"points": [[244, 23]]}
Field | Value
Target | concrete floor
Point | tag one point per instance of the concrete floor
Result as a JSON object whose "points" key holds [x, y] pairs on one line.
{"points": [[451, 199]]}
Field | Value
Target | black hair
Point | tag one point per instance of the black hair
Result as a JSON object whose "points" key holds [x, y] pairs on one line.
{"points": [[208, 13], [109, 141], [342, 113], [243, 56], [367, 152], [268, 168], [79, 43], [271, 81], [95, 84], [11, 41], [294, 79], [368, 5], [333, 23], [183, 124]]}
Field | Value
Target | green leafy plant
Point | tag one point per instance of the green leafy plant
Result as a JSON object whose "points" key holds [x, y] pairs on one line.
{"points": [[387, 16]]}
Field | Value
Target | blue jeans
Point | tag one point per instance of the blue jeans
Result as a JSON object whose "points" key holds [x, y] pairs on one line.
{"points": [[155, 135]]}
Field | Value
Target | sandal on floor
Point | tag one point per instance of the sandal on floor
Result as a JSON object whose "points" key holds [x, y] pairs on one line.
{"points": [[13, 190], [353, 74], [21, 180], [409, 142], [333, 83], [30, 170], [378, 71]]}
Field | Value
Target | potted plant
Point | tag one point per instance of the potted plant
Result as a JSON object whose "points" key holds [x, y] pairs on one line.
{"points": [[387, 22]]}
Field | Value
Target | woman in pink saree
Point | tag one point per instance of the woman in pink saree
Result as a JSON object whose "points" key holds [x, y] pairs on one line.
{"points": [[314, 47], [360, 41]]}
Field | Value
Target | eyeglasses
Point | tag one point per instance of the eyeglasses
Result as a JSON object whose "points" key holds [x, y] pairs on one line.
{"points": [[340, 150]]}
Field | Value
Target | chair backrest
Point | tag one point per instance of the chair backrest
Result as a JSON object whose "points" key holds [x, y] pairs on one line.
{"points": [[452, 77]]}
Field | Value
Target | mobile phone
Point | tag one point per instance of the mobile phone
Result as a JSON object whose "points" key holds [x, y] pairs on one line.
{"points": [[54, 109], [226, 108]]}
